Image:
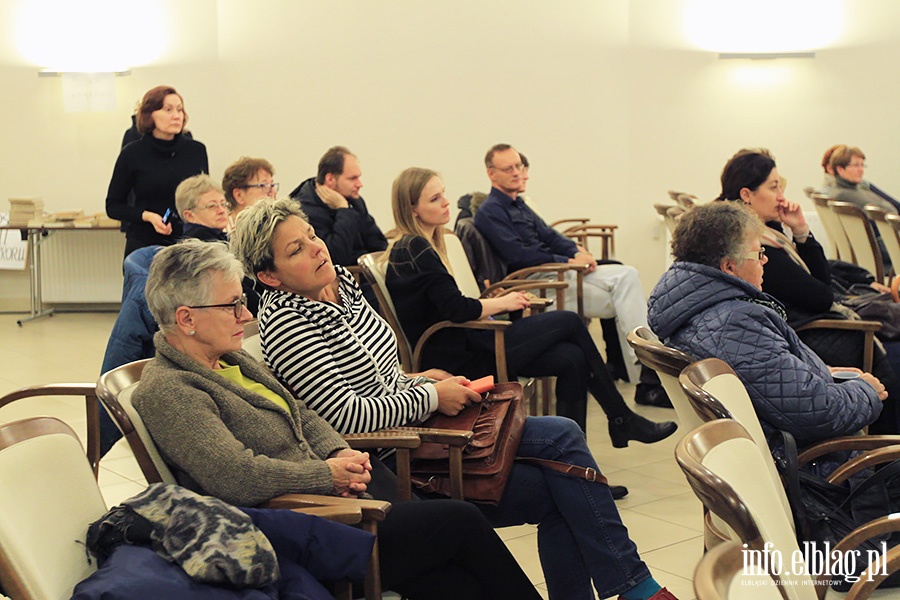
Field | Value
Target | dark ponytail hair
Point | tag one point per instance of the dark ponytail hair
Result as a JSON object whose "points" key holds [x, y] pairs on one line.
{"points": [[746, 169]]}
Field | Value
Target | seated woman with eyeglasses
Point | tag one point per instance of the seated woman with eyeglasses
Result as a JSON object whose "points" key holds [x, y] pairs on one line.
{"points": [[246, 180], [229, 429], [710, 303], [327, 343], [202, 206]]}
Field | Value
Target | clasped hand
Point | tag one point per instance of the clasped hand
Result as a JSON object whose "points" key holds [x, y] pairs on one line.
{"points": [[350, 472]]}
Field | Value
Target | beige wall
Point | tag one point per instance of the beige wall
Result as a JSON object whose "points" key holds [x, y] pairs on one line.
{"points": [[609, 100]]}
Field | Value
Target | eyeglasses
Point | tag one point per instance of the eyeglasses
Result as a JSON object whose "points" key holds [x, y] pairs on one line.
{"points": [[510, 169], [857, 165], [756, 254], [266, 187], [213, 206], [238, 306]]}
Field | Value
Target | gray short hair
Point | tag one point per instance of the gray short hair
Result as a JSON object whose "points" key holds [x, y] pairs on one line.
{"points": [[181, 275], [188, 192], [709, 234], [254, 232]]}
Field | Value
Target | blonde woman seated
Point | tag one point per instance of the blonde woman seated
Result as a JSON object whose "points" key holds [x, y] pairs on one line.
{"points": [[333, 350], [228, 429], [550, 344]]}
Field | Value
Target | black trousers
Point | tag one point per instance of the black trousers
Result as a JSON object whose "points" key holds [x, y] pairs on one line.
{"points": [[437, 549]]}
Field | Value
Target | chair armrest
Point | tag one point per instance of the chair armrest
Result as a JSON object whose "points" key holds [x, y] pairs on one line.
{"points": [[383, 438], [496, 326], [375, 510], [450, 437], [868, 582], [559, 268], [590, 229], [556, 224], [857, 464], [846, 444], [339, 514], [841, 324], [523, 286]]}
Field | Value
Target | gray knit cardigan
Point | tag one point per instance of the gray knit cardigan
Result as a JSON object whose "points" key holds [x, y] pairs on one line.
{"points": [[223, 440]]}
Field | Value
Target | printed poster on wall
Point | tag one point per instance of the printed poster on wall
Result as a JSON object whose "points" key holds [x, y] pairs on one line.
{"points": [[13, 249]]}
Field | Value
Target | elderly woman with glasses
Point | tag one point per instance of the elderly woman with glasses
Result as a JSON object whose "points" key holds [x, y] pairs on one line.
{"points": [[246, 180], [710, 303], [202, 206], [229, 429], [324, 340]]}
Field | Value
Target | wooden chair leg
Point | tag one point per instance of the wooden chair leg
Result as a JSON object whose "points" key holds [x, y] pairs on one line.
{"points": [[372, 583], [546, 390], [456, 483], [403, 475]]}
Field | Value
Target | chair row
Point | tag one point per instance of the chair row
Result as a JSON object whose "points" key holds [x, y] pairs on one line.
{"points": [[726, 459], [852, 232]]}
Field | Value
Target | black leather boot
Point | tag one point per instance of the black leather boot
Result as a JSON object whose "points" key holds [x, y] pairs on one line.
{"points": [[637, 428]]}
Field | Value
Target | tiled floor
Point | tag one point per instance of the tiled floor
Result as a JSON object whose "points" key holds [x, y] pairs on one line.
{"points": [[661, 513]]}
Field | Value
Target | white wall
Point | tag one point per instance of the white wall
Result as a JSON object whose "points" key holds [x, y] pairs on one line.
{"points": [[609, 100]]}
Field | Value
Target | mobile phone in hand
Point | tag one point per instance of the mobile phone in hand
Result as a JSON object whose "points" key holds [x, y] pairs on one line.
{"points": [[485, 384], [166, 216]]}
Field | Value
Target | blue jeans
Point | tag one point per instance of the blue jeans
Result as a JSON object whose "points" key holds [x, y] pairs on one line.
{"points": [[580, 535]]}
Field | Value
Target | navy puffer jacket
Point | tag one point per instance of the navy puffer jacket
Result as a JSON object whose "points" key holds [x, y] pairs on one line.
{"points": [[698, 309]]}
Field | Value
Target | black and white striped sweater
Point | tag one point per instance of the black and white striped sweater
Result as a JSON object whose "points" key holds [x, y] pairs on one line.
{"points": [[341, 360]]}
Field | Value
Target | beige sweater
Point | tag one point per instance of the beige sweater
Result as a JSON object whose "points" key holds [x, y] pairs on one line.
{"points": [[223, 440]]}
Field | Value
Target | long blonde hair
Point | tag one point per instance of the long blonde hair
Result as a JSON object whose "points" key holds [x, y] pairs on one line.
{"points": [[405, 194]]}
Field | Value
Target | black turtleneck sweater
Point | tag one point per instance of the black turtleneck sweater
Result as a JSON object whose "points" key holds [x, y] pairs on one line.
{"points": [[152, 168]]}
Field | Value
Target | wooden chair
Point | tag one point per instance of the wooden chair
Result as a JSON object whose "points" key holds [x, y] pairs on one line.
{"points": [[684, 200], [670, 215], [115, 389], [467, 284], [888, 226], [725, 468], [580, 230], [720, 575], [48, 497], [668, 364], [716, 392], [92, 409], [840, 245], [866, 252]]}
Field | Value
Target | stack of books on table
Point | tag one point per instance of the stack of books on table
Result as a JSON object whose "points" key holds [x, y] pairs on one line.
{"points": [[24, 210]]}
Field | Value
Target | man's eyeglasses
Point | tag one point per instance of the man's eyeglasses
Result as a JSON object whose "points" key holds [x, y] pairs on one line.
{"points": [[857, 165], [510, 169], [756, 254], [266, 187], [238, 306]]}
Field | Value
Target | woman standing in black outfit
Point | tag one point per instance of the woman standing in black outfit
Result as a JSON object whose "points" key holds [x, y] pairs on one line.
{"points": [[152, 167]]}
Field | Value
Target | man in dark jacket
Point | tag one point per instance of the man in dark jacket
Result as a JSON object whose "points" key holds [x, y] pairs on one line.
{"points": [[335, 209]]}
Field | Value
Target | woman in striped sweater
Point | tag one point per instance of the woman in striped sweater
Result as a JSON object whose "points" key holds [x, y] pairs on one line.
{"points": [[326, 343]]}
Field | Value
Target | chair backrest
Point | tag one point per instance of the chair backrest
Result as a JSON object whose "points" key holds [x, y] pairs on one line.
{"points": [[670, 215], [861, 236], [887, 225], [725, 468], [483, 262], [374, 271], [251, 342], [115, 389], [462, 270], [47, 500], [668, 364], [840, 245], [720, 575], [715, 392]]}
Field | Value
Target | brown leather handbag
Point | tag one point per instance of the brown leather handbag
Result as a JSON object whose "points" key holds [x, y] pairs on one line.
{"points": [[497, 423]]}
